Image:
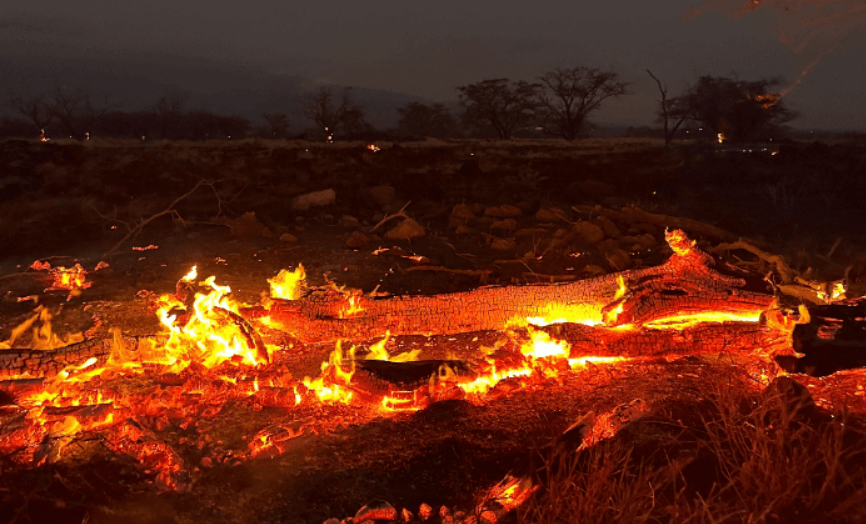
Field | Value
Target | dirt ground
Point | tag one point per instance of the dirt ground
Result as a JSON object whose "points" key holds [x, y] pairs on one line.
{"points": [[68, 203]]}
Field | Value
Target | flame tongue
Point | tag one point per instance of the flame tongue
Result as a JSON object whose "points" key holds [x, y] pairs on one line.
{"points": [[212, 332]]}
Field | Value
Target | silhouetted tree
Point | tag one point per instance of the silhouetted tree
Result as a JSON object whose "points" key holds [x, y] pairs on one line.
{"points": [[737, 108], [168, 112], [417, 119], [567, 96], [331, 114], [498, 105], [36, 107], [277, 125], [77, 109], [672, 111]]}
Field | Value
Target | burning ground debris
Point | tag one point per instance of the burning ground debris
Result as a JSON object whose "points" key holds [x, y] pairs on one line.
{"points": [[162, 400]]}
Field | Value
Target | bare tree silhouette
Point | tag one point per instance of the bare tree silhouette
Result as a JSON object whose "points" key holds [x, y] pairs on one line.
{"points": [[329, 113], [674, 110], [36, 107], [567, 96], [499, 105]]}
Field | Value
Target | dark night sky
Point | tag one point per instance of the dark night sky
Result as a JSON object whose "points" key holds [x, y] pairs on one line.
{"points": [[246, 57]]}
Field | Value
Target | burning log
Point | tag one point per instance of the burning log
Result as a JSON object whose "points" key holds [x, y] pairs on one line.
{"points": [[687, 285], [34, 364]]}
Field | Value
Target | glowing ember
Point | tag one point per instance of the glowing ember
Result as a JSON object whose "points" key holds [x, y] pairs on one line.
{"points": [[721, 138], [73, 279]]}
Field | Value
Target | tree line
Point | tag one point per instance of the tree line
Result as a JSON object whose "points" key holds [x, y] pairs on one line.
{"points": [[558, 104]]}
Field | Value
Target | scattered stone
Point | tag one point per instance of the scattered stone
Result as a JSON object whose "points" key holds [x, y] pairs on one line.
{"points": [[356, 240], [288, 237], [463, 212], [609, 228], [247, 226], [406, 230], [508, 224], [647, 241], [349, 221], [376, 510], [304, 202], [593, 270], [607, 244], [300, 229], [454, 222], [503, 211], [618, 259], [464, 230], [588, 233], [503, 244], [551, 214], [299, 219]]}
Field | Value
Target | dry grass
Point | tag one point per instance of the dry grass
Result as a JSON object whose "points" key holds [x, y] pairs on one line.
{"points": [[738, 460]]}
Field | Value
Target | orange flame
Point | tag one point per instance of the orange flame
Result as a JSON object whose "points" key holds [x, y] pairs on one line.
{"points": [[288, 285]]}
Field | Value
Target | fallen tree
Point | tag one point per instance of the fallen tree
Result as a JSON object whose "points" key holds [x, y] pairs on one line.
{"points": [[689, 284]]}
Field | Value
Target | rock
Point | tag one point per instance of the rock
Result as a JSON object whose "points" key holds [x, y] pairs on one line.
{"points": [[356, 240], [287, 237], [503, 244], [588, 233], [593, 270], [406, 230], [463, 212], [609, 228], [246, 226], [606, 245], [349, 221], [315, 199], [503, 211], [618, 259], [647, 241], [454, 222], [551, 214], [382, 195], [375, 510], [508, 224], [464, 230]]}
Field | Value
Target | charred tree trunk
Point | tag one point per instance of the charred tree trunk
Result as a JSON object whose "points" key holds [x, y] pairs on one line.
{"points": [[689, 283]]}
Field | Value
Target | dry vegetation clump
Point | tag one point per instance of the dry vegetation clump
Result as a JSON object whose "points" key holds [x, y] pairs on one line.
{"points": [[732, 458]]}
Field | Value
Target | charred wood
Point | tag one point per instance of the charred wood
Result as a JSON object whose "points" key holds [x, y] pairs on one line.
{"points": [[834, 339]]}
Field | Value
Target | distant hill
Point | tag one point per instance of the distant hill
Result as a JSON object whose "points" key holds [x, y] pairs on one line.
{"points": [[136, 86]]}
